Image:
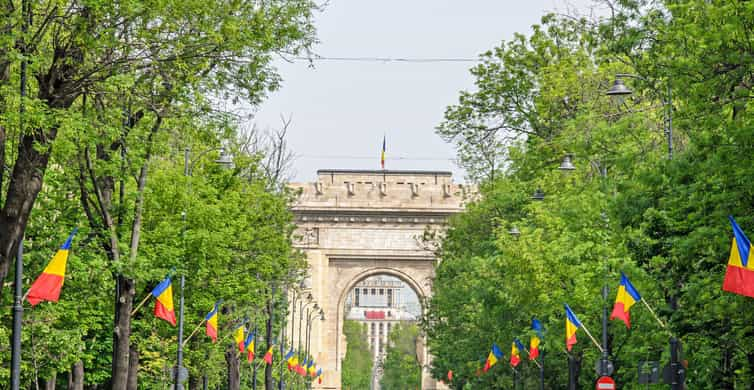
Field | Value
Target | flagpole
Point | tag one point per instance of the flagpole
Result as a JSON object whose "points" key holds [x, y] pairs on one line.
{"points": [[26, 294], [533, 360], [194, 332], [592, 338], [141, 304], [653, 313]]}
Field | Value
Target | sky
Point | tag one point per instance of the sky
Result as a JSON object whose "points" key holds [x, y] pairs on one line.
{"points": [[341, 110]]}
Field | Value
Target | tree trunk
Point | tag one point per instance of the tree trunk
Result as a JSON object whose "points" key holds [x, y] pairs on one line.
{"points": [[49, 384], [25, 184], [133, 368], [194, 382], [76, 376], [122, 333], [234, 372]]}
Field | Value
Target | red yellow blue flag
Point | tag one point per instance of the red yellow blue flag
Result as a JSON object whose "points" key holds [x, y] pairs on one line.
{"points": [[627, 297], [516, 348], [572, 325], [536, 326], [48, 285], [739, 276], [493, 357], [249, 345], [211, 319], [268, 356], [238, 336], [163, 305]]}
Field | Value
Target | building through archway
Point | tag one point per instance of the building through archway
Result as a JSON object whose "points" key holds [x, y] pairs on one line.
{"points": [[354, 224]]}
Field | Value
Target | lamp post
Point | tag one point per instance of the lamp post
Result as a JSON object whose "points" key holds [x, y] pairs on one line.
{"points": [[309, 323], [18, 308], [309, 300], [605, 366], [225, 161], [619, 90]]}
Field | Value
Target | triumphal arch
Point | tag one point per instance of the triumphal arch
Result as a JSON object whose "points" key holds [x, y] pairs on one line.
{"points": [[353, 224]]}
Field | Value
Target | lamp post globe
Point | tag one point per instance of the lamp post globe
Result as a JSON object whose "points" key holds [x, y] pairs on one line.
{"points": [[567, 164], [619, 89]]}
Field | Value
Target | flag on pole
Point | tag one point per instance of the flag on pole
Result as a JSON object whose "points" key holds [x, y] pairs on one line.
{"points": [[739, 276], [289, 358], [516, 348], [238, 336], [627, 297], [311, 368], [249, 344], [48, 285], [493, 357], [163, 305], [211, 319], [536, 326], [382, 155], [572, 325], [268, 355], [319, 376]]}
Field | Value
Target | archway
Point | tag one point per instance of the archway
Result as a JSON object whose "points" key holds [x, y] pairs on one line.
{"points": [[357, 224]]}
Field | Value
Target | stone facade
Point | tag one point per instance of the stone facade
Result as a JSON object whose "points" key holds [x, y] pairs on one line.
{"points": [[355, 224]]}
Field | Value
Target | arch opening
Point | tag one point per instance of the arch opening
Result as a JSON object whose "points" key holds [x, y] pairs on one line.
{"points": [[372, 306]]}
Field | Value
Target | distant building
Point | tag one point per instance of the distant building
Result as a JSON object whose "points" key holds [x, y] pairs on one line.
{"points": [[378, 303]]}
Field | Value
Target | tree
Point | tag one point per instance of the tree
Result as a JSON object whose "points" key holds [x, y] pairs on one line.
{"points": [[357, 365], [109, 77], [400, 369]]}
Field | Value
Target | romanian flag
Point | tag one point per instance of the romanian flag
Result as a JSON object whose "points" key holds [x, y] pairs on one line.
{"points": [[572, 325], [268, 355], [163, 305], [493, 357], [211, 319], [301, 368], [739, 277], [311, 368], [627, 297], [249, 345], [536, 326], [238, 336], [290, 358], [319, 376], [516, 348], [48, 285], [382, 155]]}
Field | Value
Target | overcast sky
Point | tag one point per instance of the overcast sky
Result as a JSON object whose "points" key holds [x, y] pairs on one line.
{"points": [[341, 109]]}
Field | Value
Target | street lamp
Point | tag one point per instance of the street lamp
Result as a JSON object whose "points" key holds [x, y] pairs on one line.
{"points": [[301, 306], [619, 91], [309, 324], [514, 232], [605, 367], [225, 161], [538, 195], [566, 164]]}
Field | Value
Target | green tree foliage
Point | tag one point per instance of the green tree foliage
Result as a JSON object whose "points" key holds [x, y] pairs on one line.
{"points": [[115, 92], [625, 208], [357, 365], [400, 370]]}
